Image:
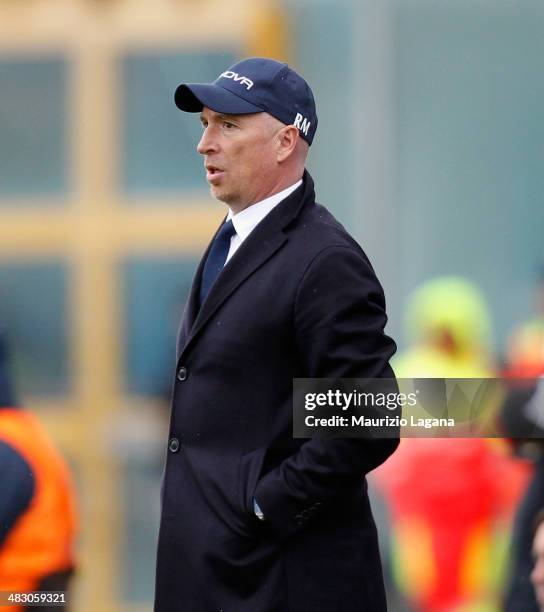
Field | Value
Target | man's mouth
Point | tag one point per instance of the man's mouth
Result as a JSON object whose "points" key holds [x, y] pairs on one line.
{"points": [[213, 173]]}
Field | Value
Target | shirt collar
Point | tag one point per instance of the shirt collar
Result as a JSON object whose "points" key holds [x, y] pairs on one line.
{"points": [[246, 220]]}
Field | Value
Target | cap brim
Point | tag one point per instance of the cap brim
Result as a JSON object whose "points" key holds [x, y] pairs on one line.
{"points": [[194, 96]]}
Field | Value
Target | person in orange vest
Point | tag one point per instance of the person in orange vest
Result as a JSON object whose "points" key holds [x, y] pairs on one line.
{"points": [[37, 504]]}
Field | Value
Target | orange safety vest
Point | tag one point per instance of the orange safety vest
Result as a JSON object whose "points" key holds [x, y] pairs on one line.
{"points": [[41, 541]]}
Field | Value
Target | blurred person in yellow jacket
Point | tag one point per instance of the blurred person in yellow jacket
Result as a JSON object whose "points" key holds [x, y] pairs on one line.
{"points": [[449, 499], [37, 503]]}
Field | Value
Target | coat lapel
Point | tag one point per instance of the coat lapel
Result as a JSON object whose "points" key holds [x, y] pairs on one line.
{"points": [[192, 306], [263, 242]]}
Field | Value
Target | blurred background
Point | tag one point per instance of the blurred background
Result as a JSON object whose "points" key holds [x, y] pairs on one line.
{"points": [[430, 150]]}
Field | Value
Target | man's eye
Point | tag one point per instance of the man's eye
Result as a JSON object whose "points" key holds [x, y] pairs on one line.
{"points": [[228, 125]]}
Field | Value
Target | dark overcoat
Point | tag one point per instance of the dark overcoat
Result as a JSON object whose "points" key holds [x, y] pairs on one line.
{"points": [[298, 299]]}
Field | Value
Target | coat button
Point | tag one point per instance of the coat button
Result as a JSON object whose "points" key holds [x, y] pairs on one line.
{"points": [[182, 373], [173, 445]]}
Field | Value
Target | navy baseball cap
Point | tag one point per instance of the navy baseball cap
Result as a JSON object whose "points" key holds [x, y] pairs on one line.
{"points": [[255, 85]]}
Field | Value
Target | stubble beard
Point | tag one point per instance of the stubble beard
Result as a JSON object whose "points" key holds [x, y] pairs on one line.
{"points": [[226, 197]]}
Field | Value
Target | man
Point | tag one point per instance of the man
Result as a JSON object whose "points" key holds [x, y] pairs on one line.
{"points": [[537, 575], [252, 519]]}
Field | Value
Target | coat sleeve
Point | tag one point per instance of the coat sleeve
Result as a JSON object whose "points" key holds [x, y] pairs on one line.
{"points": [[339, 318]]}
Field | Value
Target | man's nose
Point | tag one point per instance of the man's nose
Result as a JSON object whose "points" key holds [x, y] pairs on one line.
{"points": [[207, 143]]}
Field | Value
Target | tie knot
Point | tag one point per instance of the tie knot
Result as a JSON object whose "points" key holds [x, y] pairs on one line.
{"points": [[226, 232]]}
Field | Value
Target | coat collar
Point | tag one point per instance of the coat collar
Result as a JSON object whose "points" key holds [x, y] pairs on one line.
{"points": [[258, 247]]}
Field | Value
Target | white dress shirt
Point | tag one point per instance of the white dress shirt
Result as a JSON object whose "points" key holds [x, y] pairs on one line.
{"points": [[247, 220]]}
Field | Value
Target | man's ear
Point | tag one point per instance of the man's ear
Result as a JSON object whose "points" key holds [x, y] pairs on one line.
{"points": [[287, 142]]}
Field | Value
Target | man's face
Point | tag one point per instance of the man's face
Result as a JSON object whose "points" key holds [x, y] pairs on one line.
{"points": [[537, 575], [240, 156]]}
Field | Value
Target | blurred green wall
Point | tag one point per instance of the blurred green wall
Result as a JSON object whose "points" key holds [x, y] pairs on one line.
{"points": [[452, 94]]}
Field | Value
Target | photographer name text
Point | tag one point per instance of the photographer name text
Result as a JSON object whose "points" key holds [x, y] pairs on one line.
{"points": [[386, 421]]}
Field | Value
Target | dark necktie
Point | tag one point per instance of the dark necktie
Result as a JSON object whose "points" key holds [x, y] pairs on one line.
{"points": [[216, 258]]}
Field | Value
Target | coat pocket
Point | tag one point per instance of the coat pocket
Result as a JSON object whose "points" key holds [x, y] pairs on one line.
{"points": [[249, 472]]}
